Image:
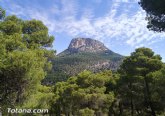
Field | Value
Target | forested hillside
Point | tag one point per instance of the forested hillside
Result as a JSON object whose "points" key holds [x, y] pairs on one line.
{"points": [[82, 54]]}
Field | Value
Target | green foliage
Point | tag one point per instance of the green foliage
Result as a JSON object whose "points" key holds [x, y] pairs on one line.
{"points": [[36, 33], [83, 93], [138, 85], [11, 25], [66, 65], [2, 13], [86, 112], [23, 60], [155, 14], [40, 99]]}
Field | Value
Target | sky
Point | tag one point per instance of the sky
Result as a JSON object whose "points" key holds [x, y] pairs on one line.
{"points": [[119, 24]]}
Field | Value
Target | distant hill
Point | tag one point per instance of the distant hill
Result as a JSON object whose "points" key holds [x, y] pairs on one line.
{"points": [[82, 54]]}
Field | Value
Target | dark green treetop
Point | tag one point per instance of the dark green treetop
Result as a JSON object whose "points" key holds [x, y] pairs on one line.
{"points": [[155, 14], [2, 13]]}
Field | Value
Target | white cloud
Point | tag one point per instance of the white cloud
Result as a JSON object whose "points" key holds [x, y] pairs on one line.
{"points": [[130, 30], [124, 28], [127, 1]]}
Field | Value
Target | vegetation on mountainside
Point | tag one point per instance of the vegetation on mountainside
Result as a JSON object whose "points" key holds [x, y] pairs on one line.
{"points": [[67, 65]]}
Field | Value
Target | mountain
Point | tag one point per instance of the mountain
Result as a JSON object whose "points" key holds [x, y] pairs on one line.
{"points": [[82, 54], [84, 45]]}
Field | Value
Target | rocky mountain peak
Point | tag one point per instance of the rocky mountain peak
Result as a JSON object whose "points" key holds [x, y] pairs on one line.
{"points": [[86, 45]]}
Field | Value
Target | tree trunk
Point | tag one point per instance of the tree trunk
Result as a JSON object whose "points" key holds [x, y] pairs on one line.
{"points": [[111, 112], [120, 109], [132, 108], [149, 98]]}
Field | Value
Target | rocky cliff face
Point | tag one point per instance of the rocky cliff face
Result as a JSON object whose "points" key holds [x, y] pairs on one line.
{"points": [[86, 45], [83, 54]]}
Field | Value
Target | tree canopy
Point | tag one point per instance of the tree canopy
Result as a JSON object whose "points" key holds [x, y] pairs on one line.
{"points": [[23, 59], [2, 13], [84, 93], [155, 14], [141, 74]]}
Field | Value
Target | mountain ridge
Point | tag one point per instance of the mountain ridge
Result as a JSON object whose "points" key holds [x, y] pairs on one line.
{"points": [[83, 54], [78, 45]]}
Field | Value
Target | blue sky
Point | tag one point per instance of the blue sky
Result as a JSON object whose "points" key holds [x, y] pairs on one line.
{"points": [[119, 24]]}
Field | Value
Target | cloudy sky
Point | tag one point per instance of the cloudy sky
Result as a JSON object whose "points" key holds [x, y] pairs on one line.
{"points": [[119, 24]]}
